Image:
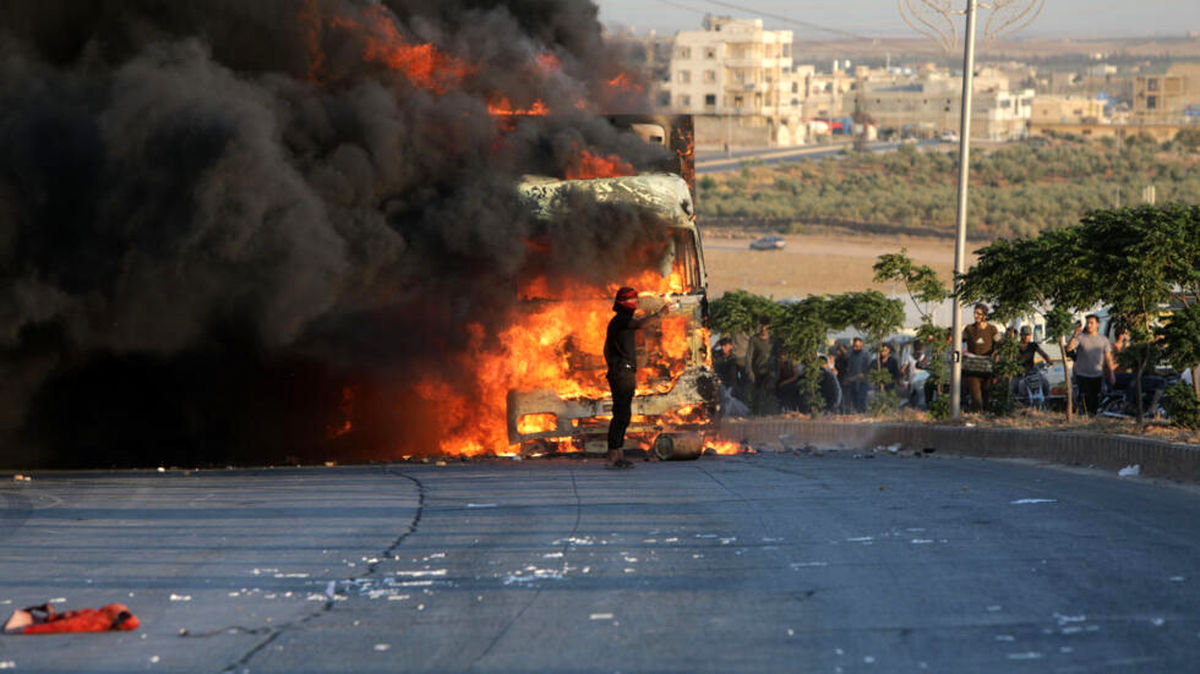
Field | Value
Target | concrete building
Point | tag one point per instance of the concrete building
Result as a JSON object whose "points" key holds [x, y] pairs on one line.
{"points": [[1068, 110], [931, 103], [736, 79], [1168, 99]]}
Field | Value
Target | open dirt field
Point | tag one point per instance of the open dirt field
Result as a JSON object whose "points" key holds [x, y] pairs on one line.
{"points": [[816, 264]]}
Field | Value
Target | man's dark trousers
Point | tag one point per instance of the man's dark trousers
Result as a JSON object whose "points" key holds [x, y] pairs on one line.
{"points": [[622, 380]]}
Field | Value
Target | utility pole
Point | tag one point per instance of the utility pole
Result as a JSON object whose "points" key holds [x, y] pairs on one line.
{"points": [[960, 222], [1007, 15]]}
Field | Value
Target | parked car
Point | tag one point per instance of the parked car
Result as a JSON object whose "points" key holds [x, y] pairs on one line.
{"points": [[771, 242]]}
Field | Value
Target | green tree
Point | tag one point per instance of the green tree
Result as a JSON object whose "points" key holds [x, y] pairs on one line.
{"points": [[1040, 275], [921, 282], [873, 314], [738, 311], [1189, 138], [803, 328], [926, 291], [1139, 259], [1180, 336]]}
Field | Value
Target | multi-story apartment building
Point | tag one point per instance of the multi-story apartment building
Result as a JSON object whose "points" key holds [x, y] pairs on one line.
{"points": [[1168, 99], [737, 79]]}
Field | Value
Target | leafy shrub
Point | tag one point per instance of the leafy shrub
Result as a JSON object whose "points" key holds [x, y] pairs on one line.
{"points": [[1183, 406]]}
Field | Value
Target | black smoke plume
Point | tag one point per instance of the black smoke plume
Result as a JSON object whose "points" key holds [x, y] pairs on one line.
{"points": [[222, 222]]}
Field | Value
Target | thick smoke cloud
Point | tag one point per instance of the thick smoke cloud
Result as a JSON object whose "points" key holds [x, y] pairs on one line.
{"points": [[218, 218]]}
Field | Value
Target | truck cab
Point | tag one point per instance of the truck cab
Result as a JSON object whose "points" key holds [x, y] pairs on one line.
{"points": [[570, 408]]}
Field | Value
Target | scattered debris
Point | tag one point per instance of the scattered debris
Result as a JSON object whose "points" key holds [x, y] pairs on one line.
{"points": [[1130, 471], [22, 478], [1029, 501]]}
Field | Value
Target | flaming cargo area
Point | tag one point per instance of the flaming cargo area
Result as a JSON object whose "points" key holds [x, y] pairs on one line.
{"points": [[239, 233]]}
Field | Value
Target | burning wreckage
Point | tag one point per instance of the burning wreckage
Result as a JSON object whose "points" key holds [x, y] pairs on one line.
{"points": [[298, 259], [676, 394]]}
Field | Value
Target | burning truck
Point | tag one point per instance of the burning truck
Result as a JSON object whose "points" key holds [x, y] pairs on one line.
{"points": [[675, 400]]}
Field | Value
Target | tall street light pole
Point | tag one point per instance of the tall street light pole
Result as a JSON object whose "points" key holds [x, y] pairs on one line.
{"points": [[934, 18], [960, 226]]}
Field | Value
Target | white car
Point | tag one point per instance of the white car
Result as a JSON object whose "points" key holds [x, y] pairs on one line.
{"points": [[768, 243]]}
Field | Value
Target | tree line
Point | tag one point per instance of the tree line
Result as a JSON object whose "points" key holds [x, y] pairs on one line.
{"points": [[1024, 188]]}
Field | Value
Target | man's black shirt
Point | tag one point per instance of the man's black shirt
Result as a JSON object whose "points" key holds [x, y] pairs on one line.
{"points": [[620, 345]]}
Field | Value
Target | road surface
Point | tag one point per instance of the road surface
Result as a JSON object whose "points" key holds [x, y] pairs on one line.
{"points": [[770, 562], [710, 162]]}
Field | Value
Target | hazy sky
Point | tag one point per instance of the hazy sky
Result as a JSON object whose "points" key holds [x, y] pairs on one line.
{"points": [[882, 17]]}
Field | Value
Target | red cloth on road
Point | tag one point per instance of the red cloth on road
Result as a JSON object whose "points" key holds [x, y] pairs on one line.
{"points": [[103, 619]]}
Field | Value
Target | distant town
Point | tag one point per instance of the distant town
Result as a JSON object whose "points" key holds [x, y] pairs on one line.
{"points": [[746, 88]]}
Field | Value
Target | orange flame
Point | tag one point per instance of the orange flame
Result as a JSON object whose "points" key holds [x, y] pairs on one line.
{"points": [[550, 345], [424, 64], [625, 83], [537, 423], [501, 107], [347, 409], [588, 165], [723, 447]]}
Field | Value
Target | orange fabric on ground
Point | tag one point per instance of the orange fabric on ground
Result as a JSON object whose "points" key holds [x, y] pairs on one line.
{"points": [[110, 617]]}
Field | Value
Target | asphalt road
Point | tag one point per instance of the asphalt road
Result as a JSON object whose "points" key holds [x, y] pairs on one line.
{"points": [[767, 563], [710, 162]]}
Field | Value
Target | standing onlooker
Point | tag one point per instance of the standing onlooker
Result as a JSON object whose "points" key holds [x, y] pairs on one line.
{"points": [[729, 373], [1123, 376], [1093, 360], [888, 362], [831, 389], [979, 340], [788, 389], [725, 364], [913, 391], [858, 363], [1026, 354], [841, 363], [762, 369]]}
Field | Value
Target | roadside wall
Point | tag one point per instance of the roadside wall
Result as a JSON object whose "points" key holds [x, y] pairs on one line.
{"points": [[1156, 458]]}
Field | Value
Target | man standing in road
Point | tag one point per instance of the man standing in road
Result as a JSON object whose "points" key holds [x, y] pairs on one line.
{"points": [[1093, 360], [620, 354]]}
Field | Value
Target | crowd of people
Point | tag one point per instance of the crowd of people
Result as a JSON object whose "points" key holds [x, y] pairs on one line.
{"points": [[763, 380], [766, 381]]}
